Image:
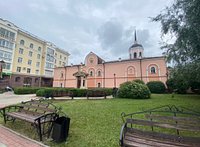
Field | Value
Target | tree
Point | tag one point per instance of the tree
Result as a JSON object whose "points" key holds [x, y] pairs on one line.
{"points": [[182, 21]]}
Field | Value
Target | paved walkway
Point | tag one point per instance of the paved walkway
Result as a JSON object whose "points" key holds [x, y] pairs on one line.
{"points": [[9, 138]]}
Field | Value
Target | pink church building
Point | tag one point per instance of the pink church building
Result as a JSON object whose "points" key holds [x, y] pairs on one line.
{"points": [[96, 72]]}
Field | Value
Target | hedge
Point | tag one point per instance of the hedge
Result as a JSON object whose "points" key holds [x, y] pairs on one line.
{"points": [[156, 87], [26, 90]]}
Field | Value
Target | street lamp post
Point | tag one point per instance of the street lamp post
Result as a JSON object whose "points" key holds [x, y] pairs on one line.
{"points": [[1, 67], [114, 80]]}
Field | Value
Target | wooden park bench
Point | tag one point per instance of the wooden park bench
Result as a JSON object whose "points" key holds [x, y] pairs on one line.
{"points": [[166, 126], [40, 113]]}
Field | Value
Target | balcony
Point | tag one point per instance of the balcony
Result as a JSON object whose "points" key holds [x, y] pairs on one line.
{"points": [[6, 37]]}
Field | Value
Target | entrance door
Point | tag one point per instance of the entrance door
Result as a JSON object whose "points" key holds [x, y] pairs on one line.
{"points": [[78, 82]]}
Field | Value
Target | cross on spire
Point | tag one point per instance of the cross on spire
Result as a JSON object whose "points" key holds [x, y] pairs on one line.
{"points": [[135, 37]]}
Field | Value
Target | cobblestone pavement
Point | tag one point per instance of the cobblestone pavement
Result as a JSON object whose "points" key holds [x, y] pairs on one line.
{"points": [[9, 138]]}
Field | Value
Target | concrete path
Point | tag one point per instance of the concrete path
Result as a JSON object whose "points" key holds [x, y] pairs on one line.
{"points": [[9, 138], [8, 98]]}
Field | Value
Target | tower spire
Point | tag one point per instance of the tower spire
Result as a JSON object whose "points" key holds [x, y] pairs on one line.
{"points": [[135, 41]]}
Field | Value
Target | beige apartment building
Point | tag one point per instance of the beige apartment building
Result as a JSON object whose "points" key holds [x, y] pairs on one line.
{"points": [[27, 59]]}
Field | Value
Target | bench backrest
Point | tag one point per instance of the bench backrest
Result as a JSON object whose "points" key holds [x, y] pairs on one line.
{"points": [[166, 123], [38, 107]]}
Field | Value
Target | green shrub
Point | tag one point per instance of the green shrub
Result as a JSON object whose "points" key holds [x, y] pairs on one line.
{"points": [[134, 90], [178, 85], [26, 90], [139, 81], [195, 87], [78, 92], [99, 92], [156, 87]]}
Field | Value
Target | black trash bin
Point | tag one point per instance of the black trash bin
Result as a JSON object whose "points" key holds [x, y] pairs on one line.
{"points": [[61, 129]]}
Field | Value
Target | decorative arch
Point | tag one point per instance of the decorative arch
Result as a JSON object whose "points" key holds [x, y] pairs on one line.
{"points": [[91, 72], [153, 69], [130, 73], [99, 72]]}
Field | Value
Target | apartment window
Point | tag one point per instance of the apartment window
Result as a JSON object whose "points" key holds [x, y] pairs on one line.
{"points": [[37, 72], [38, 64], [38, 56], [39, 49], [30, 54], [29, 62], [31, 45], [55, 61], [18, 69], [19, 60], [21, 51], [21, 42], [60, 56], [6, 44], [63, 63], [59, 62], [56, 54], [5, 55], [28, 70], [17, 79], [65, 58], [7, 66]]}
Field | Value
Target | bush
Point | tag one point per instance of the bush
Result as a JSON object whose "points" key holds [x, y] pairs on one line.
{"points": [[133, 90], [78, 92], [195, 87], [26, 90], [156, 87], [178, 85], [139, 81]]}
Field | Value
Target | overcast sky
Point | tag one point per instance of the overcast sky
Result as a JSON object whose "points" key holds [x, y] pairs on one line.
{"points": [[105, 27]]}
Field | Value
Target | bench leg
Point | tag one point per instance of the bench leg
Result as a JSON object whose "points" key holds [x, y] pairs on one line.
{"points": [[4, 115], [39, 129]]}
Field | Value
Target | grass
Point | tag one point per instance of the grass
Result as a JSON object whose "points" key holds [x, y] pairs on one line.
{"points": [[98, 122]]}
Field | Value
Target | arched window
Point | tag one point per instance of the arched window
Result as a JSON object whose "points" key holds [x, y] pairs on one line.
{"points": [[153, 70], [39, 49], [31, 45], [91, 73], [17, 79], [21, 42], [135, 55], [61, 75], [99, 85], [140, 54], [99, 73]]}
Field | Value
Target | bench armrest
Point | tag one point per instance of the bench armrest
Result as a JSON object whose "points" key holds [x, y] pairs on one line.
{"points": [[122, 134], [7, 108], [52, 117]]}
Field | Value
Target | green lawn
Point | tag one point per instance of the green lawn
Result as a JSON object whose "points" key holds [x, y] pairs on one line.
{"points": [[98, 122]]}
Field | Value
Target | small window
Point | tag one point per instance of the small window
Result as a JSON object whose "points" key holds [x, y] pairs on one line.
{"points": [[29, 62], [99, 73], [91, 73], [135, 55], [37, 72], [91, 60], [39, 49], [21, 51], [59, 62], [56, 54], [153, 70], [21, 42], [65, 58], [30, 54], [61, 76], [31, 45], [38, 64], [18, 69], [60, 56], [17, 79], [140, 54], [19, 60], [38, 56], [99, 85], [28, 70]]}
